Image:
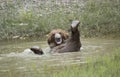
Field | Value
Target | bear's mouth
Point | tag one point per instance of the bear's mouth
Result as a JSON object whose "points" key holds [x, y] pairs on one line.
{"points": [[58, 38]]}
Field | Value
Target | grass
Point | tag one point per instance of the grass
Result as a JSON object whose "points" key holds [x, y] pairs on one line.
{"points": [[104, 66], [37, 18]]}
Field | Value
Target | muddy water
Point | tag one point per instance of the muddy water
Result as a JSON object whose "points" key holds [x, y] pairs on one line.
{"points": [[15, 62]]}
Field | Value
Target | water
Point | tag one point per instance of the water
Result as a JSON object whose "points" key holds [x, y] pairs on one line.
{"points": [[15, 62]]}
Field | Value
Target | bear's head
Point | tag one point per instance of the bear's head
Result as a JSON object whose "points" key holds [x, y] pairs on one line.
{"points": [[57, 37]]}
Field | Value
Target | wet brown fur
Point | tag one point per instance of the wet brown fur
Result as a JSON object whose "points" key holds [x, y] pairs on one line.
{"points": [[72, 43]]}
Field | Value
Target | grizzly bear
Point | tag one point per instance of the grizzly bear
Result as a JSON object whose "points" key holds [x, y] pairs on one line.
{"points": [[72, 44], [57, 37]]}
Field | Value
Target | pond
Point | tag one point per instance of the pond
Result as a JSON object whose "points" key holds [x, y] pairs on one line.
{"points": [[14, 62]]}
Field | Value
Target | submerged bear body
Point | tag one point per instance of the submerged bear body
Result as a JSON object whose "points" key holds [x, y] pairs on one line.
{"points": [[72, 44]]}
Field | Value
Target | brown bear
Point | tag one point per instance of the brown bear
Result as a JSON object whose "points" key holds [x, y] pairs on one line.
{"points": [[57, 37], [73, 43]]}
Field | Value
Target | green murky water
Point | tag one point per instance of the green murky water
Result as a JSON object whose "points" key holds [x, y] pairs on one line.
{"points": [[14, 62]]}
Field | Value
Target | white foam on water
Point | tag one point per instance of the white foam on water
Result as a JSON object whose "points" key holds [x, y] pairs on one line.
{"points": [[81, 48], [25, 53], [0, 58]]}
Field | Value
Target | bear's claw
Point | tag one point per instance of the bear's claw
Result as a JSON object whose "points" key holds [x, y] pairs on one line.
{"points": [[75, 23]]}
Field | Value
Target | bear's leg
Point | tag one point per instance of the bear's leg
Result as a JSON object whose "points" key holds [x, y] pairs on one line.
{"points": [[74, 31], [74, 42]]}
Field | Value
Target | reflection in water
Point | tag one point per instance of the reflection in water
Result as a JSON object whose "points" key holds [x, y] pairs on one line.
{"points": [[27, 63]]}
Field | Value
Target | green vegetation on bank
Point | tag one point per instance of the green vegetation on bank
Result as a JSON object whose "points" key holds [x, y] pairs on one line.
{"points": [[102, 66], [37, 18]]}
